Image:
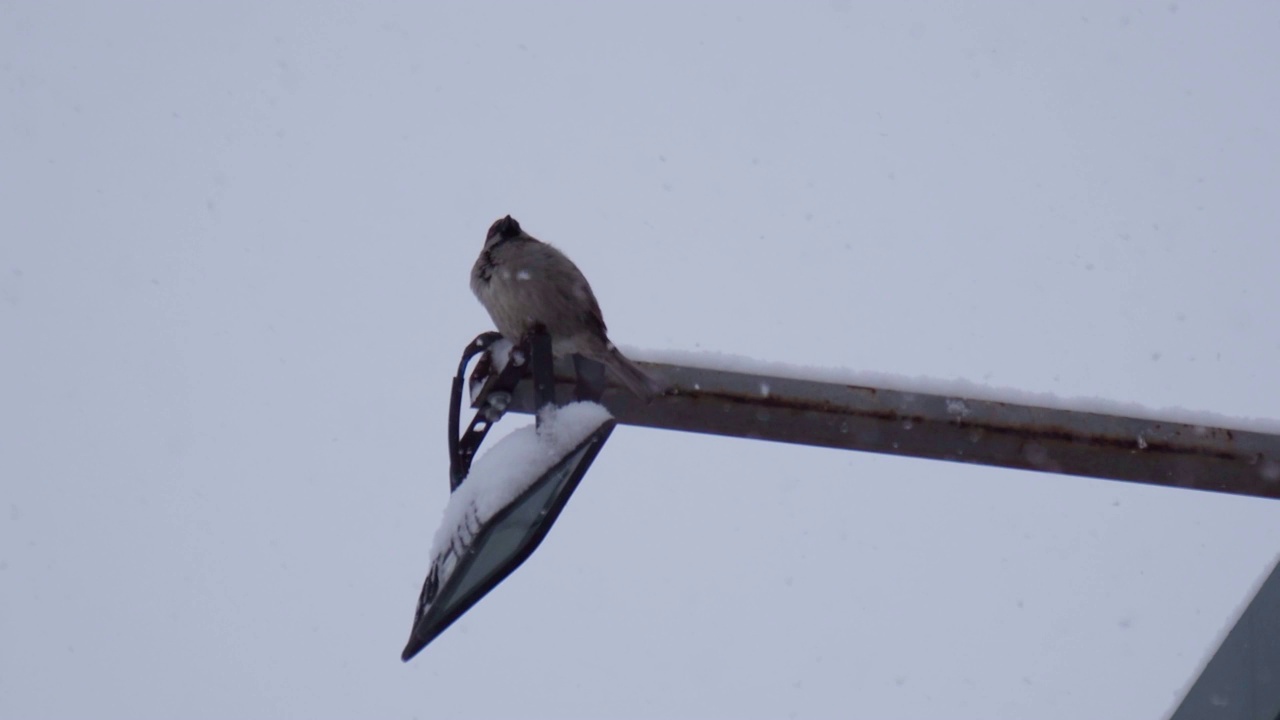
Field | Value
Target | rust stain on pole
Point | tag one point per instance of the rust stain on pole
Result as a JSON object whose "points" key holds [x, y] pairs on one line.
{"points": [[947, 428]]}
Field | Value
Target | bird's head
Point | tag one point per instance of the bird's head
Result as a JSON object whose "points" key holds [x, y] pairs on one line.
{"points": [[504, 229]]}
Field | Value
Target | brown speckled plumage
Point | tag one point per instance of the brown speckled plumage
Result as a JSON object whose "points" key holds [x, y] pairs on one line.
{"points": [[522, 281]]}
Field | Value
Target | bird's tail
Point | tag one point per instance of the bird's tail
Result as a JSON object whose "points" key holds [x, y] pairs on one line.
{"points": [[640, 383]]}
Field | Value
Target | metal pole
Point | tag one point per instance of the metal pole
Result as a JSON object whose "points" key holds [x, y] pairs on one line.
{"points": [[946, 428]]}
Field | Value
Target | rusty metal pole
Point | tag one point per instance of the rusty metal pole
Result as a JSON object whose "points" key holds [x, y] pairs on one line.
{"points": [[1239, 681], [939, 427]]}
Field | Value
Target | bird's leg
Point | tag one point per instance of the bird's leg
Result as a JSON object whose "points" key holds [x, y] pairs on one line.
{"points": [[542, 364]]}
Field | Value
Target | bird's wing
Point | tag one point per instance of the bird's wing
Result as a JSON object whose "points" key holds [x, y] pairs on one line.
{"points": [[592, 315], [577, 293]]}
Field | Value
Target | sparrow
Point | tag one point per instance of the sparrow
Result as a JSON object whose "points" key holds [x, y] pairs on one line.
{"points": [[522, 281]]}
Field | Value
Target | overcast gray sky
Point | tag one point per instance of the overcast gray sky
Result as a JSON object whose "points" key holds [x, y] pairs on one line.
{"points": [[234, 246]]}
